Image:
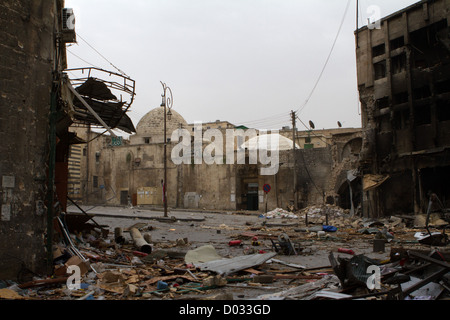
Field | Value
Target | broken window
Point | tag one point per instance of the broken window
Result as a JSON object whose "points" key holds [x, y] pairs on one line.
{"points": [[380, 70], [382, 103], [95, 181], [442, 87], [147, 140], [443, 110], [426, 45], [397, 43], [399, 63], [378, 50], [422, 93], [422, 115], [401, 97]]}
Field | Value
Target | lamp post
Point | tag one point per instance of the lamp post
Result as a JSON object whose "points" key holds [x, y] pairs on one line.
{"points": [[167, 102]]}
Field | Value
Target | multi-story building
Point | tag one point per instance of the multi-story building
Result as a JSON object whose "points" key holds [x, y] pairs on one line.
{"points": [[403, 68]]}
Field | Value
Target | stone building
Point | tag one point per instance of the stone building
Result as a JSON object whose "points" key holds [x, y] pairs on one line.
{"points": [[404, 84], [31, 54], [38, 104], [115, 175]]}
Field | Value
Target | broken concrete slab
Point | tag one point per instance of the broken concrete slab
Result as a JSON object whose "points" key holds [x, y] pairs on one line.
{"points": [[201, 255], [228, 266]]}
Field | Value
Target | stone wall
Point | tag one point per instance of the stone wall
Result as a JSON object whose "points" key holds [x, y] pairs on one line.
{"points": [[26, 64]]}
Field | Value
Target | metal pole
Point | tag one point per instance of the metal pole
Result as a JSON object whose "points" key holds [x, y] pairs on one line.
{"points": [[166, 103], [357, 23], [165, 163], [293, 156], [69, 85]]}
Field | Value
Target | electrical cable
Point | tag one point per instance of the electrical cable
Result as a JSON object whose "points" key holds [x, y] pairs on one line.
{"points": [[320, 138], [327, 60], [82, 59], [322, 192], [268, 123], [101, 55]]}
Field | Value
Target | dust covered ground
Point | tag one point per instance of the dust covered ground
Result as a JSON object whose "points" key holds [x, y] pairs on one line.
{"points": [[120, 271]]}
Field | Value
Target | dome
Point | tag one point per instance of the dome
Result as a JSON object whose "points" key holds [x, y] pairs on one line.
{"points": [[264, 142], [152, 124]]}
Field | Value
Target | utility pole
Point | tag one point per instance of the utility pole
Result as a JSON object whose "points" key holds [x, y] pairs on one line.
{"points": [[293, 115], [357, 24]]}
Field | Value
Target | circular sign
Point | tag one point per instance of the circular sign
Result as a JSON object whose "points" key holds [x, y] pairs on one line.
{"points": [[266, 188]]}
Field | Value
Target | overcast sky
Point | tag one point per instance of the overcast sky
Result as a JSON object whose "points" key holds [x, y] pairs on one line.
{"points": [[244, 61]]}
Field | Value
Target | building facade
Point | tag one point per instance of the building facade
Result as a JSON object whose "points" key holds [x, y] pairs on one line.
{"points": [[31, 54], [404, 85], [134, 171]]}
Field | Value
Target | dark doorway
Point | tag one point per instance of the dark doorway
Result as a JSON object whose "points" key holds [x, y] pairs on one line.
{"points": [[252, 197], [124, 198], [348, 193], [435, 180]]}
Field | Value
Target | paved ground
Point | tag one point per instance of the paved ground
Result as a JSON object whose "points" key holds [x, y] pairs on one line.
{"points": [[218, 228]]}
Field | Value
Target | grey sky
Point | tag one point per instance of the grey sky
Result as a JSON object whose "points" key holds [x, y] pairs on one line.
{"points": [[245, 61]]}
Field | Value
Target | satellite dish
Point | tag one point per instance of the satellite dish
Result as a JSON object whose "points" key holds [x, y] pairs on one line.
{"points": [[339, 124], [311, 124]]}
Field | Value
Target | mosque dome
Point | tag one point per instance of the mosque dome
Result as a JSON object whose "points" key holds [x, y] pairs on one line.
{"points": [[152, 124]]}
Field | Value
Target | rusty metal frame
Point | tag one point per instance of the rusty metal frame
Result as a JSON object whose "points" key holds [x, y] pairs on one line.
{"points": [[121, 83]]}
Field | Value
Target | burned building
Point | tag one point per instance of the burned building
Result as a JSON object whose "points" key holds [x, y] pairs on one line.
{"points": [[403, 65], [38, 104]]}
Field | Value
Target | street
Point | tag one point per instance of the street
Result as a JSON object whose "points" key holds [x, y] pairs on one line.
{"points": [[219, 228]]}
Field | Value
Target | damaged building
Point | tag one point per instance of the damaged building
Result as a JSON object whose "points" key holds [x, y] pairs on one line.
{"points": [[104, 173], [30, 48], [38, 105], [403, 64]]}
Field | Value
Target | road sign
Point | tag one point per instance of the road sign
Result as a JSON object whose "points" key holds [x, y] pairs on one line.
{"points": [[116, 141], [267, 188]]}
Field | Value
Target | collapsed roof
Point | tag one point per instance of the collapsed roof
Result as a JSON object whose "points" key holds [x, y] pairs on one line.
{"points": [[92, 101]]}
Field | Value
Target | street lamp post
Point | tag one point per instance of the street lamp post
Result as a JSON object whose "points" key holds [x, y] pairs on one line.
{"points": [[167, 102]]}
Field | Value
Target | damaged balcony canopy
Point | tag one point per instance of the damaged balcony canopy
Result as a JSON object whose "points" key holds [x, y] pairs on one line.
{"points": [[98, 102]]}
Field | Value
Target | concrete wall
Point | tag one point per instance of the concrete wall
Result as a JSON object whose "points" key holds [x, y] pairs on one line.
{"points": [[26, 64], [218, 187], [404, 84]]}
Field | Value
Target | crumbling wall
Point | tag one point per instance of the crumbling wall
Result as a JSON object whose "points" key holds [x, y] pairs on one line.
{"points": [[313, 168], [26, 64]]}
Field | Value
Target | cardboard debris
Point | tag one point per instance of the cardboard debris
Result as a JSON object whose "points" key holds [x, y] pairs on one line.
{"points": [[9, 294]]}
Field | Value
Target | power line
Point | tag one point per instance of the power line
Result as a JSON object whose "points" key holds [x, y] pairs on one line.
{"points": [[81, 58], [101, 55], [267, 122], [269, 118], [328, 58], [314, 134]]}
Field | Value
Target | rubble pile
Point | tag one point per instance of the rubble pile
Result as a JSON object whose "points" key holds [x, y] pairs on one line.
{"points": [[130, 264]]}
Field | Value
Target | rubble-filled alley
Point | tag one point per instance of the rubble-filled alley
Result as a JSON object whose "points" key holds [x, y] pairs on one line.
{"points": [[318, 253]]}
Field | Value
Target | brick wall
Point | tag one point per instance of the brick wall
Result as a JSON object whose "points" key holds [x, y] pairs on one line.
{"points": [[26, 64]]}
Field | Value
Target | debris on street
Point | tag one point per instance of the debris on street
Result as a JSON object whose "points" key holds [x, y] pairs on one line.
{"points": [[382, 259]]}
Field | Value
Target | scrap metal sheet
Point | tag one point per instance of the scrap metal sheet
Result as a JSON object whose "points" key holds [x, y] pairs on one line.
{"points": [[227, 266]]}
